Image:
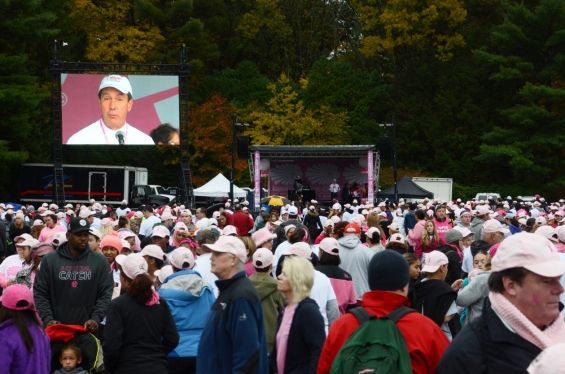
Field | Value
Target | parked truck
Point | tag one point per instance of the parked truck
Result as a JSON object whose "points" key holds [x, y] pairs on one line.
{"points": [[441, 187], [103, 183]]}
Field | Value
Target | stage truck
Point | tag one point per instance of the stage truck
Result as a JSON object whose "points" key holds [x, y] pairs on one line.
{"points": [[103, 183]]}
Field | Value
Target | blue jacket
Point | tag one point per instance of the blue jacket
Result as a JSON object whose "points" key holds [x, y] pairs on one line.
{"points": [[233, 340], [409, 221], [190, 299]]}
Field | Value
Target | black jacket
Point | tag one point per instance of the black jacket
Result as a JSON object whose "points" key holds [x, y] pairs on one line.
{"points": [[433, 299], [137, 338], [73, 290], [486, 346], [314, 224], [3, 241], [305, 340], [454, 265]]}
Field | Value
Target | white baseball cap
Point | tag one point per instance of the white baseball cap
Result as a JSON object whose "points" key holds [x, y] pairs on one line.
{"points": [[118, 82]]}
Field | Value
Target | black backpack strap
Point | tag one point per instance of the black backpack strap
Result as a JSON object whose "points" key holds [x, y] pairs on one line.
{"points": [[361, 314], [398, 313]]}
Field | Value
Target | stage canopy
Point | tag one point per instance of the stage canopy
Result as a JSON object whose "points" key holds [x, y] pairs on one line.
{"points": [[317, 167], [406, 189], [219, 186]]}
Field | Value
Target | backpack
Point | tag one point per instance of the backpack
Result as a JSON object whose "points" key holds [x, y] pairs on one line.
{"points": [[377, 346]]}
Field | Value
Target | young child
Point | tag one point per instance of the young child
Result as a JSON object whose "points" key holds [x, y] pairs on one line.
{"points": [[70, 358]]}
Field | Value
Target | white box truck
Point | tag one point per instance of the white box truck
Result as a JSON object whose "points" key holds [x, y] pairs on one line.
{"points": [[441, 187]]}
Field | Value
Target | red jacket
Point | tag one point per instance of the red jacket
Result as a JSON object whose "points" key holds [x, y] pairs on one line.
{"points": [[425, 340], [242, 222]]}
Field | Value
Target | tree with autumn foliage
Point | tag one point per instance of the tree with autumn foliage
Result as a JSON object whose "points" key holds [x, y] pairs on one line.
{"points": [[286, 121], [392, 25], [211, 140]]}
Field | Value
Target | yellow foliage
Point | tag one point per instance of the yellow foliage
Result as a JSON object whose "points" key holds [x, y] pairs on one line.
{"points": [[411, 23], [264, 14], [111, 33], [286, 121]]}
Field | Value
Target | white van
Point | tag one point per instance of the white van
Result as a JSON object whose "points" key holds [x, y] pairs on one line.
{"points": [[483, 196]]}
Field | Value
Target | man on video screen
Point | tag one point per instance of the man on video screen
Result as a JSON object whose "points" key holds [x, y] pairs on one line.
{"points": [[115, 99]]}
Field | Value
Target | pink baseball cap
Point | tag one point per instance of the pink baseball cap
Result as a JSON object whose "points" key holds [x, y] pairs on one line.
{"points": [[532, 252], [550, 361], [17, 294], [262, 258], [181, 255], [482, 210], [229, 244], [548, 232], [134, 265], [560, 233], [163, 273], [229, 230], [371, 231], [166, 216], [153, 250], [23, 236], [85, 213], [541, 221], [330, 245], [299, 249], [397, 238], [465, 232], [262, 236], [394, 226], [160, 231], [433, 261], [494, 225], [138, 214]]}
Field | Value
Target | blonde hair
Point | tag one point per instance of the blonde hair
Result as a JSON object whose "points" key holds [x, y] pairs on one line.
{"points": [[426, 237], [300, 275], [249, 245], [105, 230]]}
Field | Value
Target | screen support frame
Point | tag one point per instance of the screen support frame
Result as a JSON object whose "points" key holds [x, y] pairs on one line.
{"points": [[57, 67]]}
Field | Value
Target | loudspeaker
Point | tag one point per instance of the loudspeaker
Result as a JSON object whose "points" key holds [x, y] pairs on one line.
{"points": [[385, 148], [243, 147]]}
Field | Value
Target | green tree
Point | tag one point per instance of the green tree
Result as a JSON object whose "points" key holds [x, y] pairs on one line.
{"points": [[528, 52], [24, 108]]}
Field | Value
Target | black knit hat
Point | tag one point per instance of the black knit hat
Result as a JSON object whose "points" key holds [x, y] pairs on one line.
{"points": [[388, 271], [479, 245]]}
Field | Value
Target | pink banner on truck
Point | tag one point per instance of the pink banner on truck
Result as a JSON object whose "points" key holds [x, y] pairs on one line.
{"points": [[257, 179], [318, 174]]}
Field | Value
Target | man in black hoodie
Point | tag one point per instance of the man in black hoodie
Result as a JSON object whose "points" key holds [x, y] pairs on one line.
{"points": [[74, 285], [434, 298]]}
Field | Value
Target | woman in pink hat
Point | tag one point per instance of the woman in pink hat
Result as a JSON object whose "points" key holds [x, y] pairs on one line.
{"points": [[25, 345]]}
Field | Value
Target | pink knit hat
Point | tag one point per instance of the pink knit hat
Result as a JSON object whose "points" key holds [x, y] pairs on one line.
{"points": [[112, 240], [262, 236]]}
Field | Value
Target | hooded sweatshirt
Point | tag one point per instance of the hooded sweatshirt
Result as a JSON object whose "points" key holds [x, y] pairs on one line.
{"points": [[72, 290], [433, 299], [272, 301], [477, 227], [189, 298], [355, 258]]}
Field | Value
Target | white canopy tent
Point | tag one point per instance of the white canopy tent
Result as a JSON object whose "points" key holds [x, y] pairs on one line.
{"points": [[219, 186]]}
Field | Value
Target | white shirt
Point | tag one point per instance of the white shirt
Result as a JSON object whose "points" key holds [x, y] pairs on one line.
{"points": [[98, 133], [334, 188], [96, 223], [467, 264], [203, 265], [278, 252], [146, 227], [322, 292], [121, 212]]}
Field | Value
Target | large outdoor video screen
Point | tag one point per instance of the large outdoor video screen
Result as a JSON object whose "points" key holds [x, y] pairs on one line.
{"points": [[120, 109]]}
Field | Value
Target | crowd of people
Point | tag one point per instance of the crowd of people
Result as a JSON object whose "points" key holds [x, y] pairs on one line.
{"points": [[434, 286]]}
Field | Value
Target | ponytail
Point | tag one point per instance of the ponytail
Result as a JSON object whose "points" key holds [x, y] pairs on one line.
{"points": [[140, 289]]}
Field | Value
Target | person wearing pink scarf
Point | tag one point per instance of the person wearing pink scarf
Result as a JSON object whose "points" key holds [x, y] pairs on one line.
{"points": [[521, 316]]}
